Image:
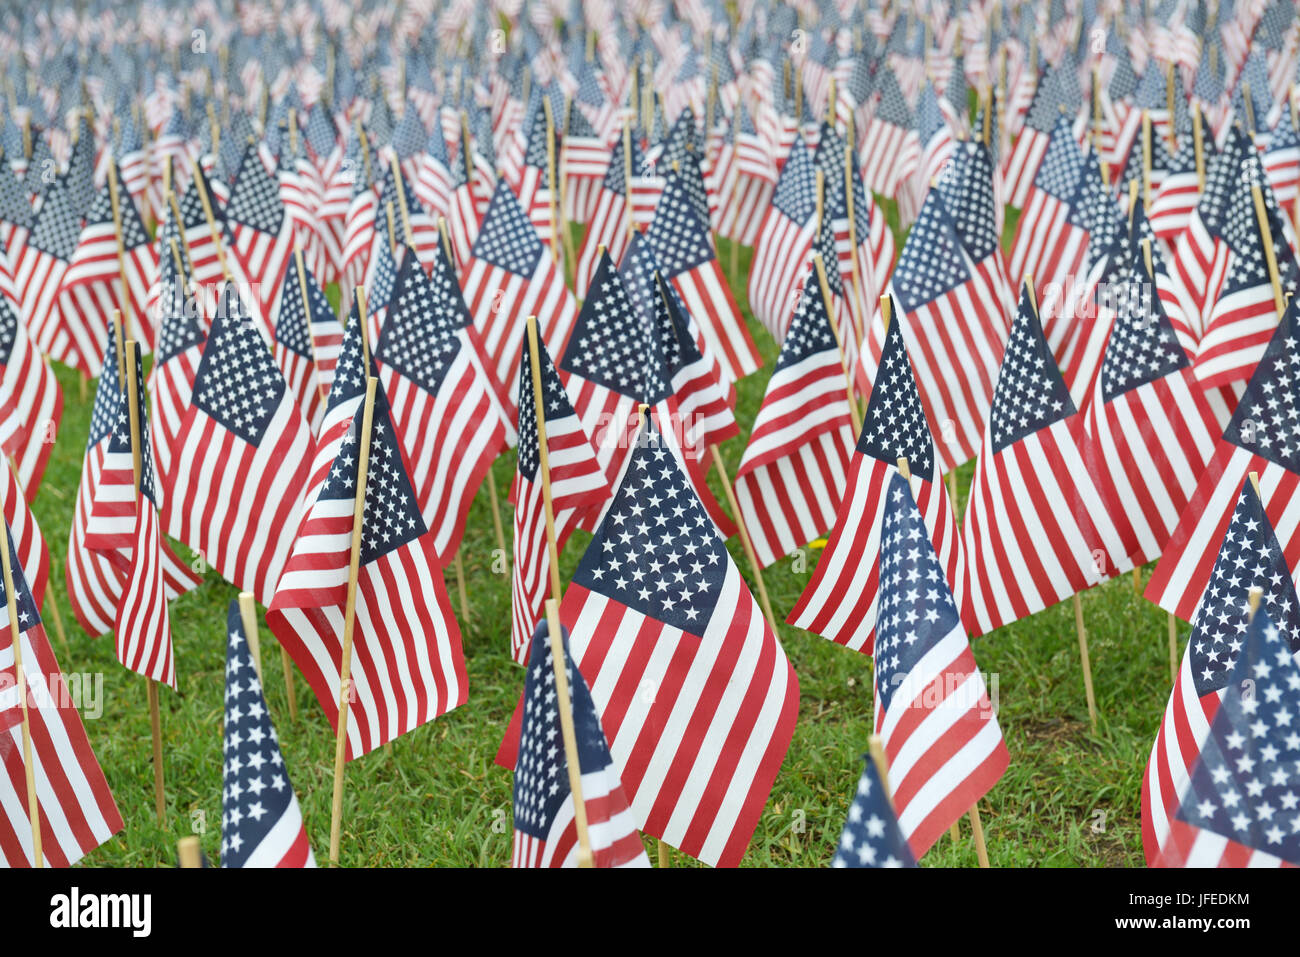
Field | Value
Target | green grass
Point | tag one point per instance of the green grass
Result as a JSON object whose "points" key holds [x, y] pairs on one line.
{"points": [[434, 797]]}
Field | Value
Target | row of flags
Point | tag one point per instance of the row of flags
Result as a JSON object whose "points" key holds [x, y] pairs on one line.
{"points": [[1117, 378]]}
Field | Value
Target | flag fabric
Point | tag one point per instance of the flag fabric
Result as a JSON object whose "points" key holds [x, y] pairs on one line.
{"points": [[39, 267], [784, 242], [792, 475], [1260, 437], [545, 832], [895, 153], [451, 416], [240, 465], [261, 234], [77, 810], [579, 490], [871, 836], [1036, 529], [1050, 242], [698, 756], [932, 712], [1250, 555], [1172, 204], [295, 345], [956, 329], [510, 276], [1232, 811], [1056, 93], [407, 665], [752, 180], [31, 402], [607, 225], [841, 601], [261, 823], [29, 544]]}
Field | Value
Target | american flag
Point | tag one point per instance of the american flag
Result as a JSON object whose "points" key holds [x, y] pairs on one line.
{"points": [[585, 159], [545, 832], [895, 153], [607, 225], [204, 243], [39, 267], [1172, 204], [792, 475], [77, 810], [579, 490], [142, 625], [871, 836], [181, 337], [784, 241], [1150, 427], [841, 601], [1049, 244], [956, 325], [509, 276], [1282, 161], [432, 180], [463, 217], [1241, 313], [302, 194], [407, 669], [1234, 806], [937, 141], [932, 712], [450, 414], [753, 176], [31, 402], [1036, 529], [532, 183], [261, 234], [240, 465], [295, 347], [693, 688], [407, 210], [261, 823], [1251, 555], [29, 543], [1056, 92], [91, 289], [1261, 437]]}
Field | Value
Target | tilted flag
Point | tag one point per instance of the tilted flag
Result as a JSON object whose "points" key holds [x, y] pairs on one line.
{"points": [[792, 475], [1250, 555], [182, 334], [1260, 437], [31, 402], [243, 443], [77, 810], [608, 224], [1234, 806], [871, 836], [584, 160], [39, 267], [545, 832], [932, 712], [510, 276], [1056, 95], [750, 177], [449, 412], [1172, 204], [895, 152], [669, 610], [261, 234], [579, 490], [1036, 529], [261, 823], [841, 601], [1048, 243], [294, 348], [29, 544], [784, 241], [407, 663]]}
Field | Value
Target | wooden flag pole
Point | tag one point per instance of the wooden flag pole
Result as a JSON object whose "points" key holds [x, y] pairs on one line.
{"points": [[248, 616], [1249, 106], [306, 305], [859, 298], [876, 748], [407, 233], [1270, 256], [854, 415], [115, 201], [555, 172], [544, 461], [1198, 150], [627, 177], [130, 349], [20, 678], [1087, 665], [553, 189], [565, 707], [350, 619], [1146, 159], [392, 228], [188, 852]]}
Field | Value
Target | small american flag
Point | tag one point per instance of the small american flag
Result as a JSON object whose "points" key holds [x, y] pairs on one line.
{"points": [[1056, 92], [1047, 244], [406, 670], [751, 182], [701, 706], [784, 240], [871, 835], [938, 728], [1250, 555], [29, 544], [841, 602], [39, 267], [261, 823], [1238, 805], [510, 276], [579, 490], [295, 349], [245, 444], [895, 153], [449, 412], [1036, 528], [182, 335], [545, 833], [792, 475], [1173, 203], [607, 225], [261, 234], [31, 402], [77, 809]]}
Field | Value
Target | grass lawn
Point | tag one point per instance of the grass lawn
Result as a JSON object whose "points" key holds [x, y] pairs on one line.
{"points": [[435, 798]]}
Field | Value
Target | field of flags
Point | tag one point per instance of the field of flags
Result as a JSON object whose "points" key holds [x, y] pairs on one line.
{"points": [[477, 424]]}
